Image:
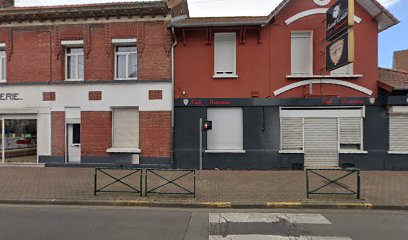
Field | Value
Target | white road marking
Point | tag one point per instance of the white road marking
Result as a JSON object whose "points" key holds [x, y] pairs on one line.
{"points": [[273, 237], [267, 218]]}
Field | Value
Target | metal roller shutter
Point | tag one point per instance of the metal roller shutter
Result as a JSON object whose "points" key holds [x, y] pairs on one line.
{"points": [[398, 133], [292, 133], [125, 128], [350, 130], [321, 143]]}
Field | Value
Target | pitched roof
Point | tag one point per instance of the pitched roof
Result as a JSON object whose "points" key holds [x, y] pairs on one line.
{"points": [[83, 10], [219, 21], [384, 18], [391, 79], [401, 60]]}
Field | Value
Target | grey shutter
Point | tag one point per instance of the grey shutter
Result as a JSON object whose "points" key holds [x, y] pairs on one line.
{"points": [[126, 128], [321, 143], [225, 48], [398, 133], [227, 132], [292, 133], [350, 130]]}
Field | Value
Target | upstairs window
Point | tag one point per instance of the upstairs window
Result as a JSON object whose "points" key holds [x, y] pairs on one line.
{"points": [[345, 70], [225, 55], [3, 66], [74, 63], [126, 63], [302, 54]]}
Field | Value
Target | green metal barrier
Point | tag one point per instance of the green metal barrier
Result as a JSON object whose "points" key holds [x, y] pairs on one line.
{"points": [[170, 181], [345, 173], [118, 180]]}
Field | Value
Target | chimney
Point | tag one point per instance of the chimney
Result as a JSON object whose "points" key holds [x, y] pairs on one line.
{"points": [[6, 3], [401, 60]]}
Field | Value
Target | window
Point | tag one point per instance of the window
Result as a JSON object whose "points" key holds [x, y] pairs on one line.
{"points": [[126, 63], [345, 70], [301, 53], [125, 128], [76, 135], [225, 55], [399, 132], [292, 134], [227, 132], [74, 63], [3, 66], [350, 133]]}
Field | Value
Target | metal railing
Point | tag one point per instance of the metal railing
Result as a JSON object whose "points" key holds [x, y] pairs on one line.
{"points": [[113, 180], [333, 181], [165, 181]]}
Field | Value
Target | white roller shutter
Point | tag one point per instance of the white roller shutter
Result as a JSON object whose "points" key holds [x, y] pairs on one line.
{"points": [[225, 53], [292, 133], [350, 130], [125, 128], [301, 53], [321, 143], [227, 132], [399, 133]]}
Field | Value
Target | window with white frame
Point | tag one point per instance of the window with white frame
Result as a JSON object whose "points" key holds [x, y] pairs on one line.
{"points": [[227, 129], [302, 53], [225, 55], [345, 70], [399, 132], [3, 65], [74, 64], [125, 128], [351, 133], [125, 62]]}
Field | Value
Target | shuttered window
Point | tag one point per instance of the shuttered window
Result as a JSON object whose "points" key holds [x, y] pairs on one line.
{"points": [[345, 70], [225, 54], [301, 53], [292, 133], [350, 133], [399, 133], [227, 132], [125, 128]]}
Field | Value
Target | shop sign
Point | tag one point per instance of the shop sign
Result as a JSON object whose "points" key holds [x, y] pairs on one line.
{"points": [[339, 18], [342, 101], [340, 52], [10, 97], [206, 102]]}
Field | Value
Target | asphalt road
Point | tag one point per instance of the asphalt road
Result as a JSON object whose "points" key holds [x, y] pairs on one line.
{"points": [[122, 223]]}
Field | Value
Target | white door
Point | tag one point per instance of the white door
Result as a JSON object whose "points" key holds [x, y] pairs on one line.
{"points": [[321, 143], [74, 143]]}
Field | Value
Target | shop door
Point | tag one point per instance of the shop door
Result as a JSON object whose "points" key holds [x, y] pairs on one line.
{"points": [[321, 143], [74, 143]]}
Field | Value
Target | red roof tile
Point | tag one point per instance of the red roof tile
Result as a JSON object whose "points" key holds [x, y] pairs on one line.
{"points": [[219, 21], [390, 79]]}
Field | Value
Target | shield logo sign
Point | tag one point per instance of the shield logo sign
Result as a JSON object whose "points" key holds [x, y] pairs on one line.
{"points": [[336, 51], [372, 100], [185, 101]]}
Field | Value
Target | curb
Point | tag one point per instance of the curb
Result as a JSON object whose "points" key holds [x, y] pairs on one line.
{"points": [[208, 205]]}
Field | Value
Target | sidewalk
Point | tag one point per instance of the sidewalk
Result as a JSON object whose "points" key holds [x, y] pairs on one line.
{"points": [[214, 188]]}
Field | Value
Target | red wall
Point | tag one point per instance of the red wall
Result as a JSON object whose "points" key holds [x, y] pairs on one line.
{"points": [[263, 67], [36, 55]]}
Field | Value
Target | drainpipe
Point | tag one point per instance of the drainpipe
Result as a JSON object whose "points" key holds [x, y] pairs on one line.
{"points": [[172, 91]]}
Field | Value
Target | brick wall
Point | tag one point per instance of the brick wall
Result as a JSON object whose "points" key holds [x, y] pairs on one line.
{"points": [[36, 55], [58, 133], [155, 134], [96, 133]]}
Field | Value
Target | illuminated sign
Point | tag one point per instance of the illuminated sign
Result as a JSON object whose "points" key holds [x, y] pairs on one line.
{"points": [[340, 51], [339, 18]]}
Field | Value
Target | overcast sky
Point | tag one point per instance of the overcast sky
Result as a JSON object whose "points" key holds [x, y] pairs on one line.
{"points": [[390, 40]]}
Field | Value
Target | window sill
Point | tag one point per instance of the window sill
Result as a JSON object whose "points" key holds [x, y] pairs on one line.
{"points": [[398, 152], [353, 152], [291, 152], [324, 76], [123, 150], [219, 76], [74, 80], [125, 79], [226, 151]]}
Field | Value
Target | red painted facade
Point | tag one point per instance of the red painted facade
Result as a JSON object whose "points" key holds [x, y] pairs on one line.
{"points": [[262, 68]]}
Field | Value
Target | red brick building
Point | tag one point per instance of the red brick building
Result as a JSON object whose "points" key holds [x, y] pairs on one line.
{"points": [[86, 84], [263, 83]]}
